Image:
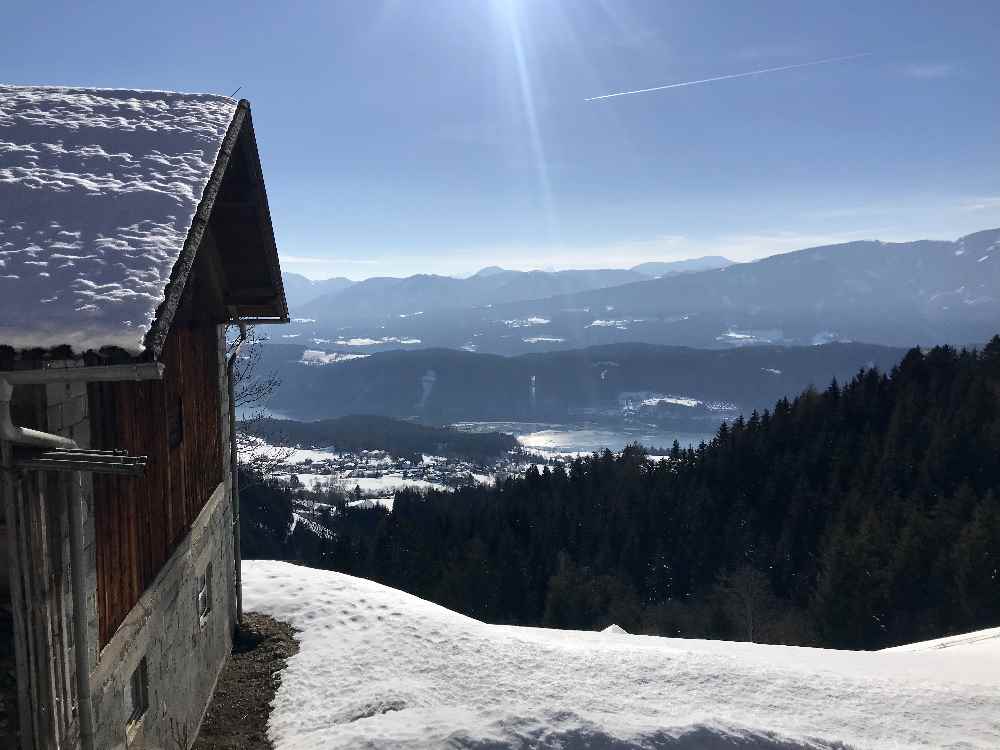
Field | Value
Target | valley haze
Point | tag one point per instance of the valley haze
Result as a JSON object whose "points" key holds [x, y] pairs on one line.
{"points": [[901, 294]]}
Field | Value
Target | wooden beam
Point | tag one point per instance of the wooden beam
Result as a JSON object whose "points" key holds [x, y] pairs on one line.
{"points": [[121, 468], [97, 462], [136, 371], [241, 205], [12, 514], [212, 277], [256, 183], [260, 293]]}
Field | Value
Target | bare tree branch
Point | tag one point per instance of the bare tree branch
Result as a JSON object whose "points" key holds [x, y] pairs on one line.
{"points": [[251, 392]]}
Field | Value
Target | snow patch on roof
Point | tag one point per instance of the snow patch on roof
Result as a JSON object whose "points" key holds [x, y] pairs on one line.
{"points": [[98, 189]]}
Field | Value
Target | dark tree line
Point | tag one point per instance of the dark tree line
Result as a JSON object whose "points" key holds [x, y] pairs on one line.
{"points": [[862, 516]]}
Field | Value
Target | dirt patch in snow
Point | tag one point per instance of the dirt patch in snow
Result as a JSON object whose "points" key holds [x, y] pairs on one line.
{"points": [[237, 716]]}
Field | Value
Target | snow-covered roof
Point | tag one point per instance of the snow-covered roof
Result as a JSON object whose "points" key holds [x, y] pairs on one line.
{"points": [[98, 191]]}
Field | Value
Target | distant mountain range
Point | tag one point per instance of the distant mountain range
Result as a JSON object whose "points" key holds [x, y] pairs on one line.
{"points": [[382, 297], [708, 263], [490, 285], [687, 388], [899, 294], [299, 290]]}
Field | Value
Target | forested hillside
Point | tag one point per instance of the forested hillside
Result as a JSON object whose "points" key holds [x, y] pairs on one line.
{"points": [[443, 385], [862, 516], [360, 432]]}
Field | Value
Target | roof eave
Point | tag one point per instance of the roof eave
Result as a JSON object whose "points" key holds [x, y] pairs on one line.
{"points": [[157, 335], [277, 311]]}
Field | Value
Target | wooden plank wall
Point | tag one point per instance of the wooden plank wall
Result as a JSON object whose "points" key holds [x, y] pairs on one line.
{"points": [[36, 510], [177, 424]]}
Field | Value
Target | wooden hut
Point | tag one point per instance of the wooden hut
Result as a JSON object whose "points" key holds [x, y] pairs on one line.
{"points": [[134, 228]]}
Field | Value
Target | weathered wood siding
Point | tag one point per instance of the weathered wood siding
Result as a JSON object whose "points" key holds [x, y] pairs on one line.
{"points": [[36, 510], [177, 424]]}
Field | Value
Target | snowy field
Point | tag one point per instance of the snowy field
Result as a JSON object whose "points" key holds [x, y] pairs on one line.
{"points": [[571, 442], [369, 485], [253, 448], [382, 669]]}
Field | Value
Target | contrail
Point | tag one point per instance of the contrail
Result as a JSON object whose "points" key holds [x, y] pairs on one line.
{"points": [[732, 75]]}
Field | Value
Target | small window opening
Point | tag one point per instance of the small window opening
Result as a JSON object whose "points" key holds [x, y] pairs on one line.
{"points": [[137, 695], [205, 594]]}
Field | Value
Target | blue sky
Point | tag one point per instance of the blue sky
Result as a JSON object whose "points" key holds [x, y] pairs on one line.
{"points": [[439, 136]]}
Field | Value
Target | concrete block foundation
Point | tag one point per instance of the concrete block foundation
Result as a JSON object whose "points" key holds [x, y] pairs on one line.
{"points": [[184, 651]]}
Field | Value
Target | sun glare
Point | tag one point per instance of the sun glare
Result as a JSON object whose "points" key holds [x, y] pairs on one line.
{"points": [[510, 12]]}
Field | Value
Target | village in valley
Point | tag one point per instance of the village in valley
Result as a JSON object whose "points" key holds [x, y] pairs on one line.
{"points": [[370, 477]]}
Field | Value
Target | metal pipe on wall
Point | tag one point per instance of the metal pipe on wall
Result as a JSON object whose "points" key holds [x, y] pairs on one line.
{"points": [[83, 374], [21, 435]]}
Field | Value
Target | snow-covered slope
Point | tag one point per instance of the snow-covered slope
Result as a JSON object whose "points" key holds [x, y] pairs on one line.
{"points": [[98, 189], [987, 641], [380, 668]]}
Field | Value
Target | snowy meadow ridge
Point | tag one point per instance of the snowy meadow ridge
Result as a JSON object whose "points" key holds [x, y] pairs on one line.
{"points": [[380, 668]]}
